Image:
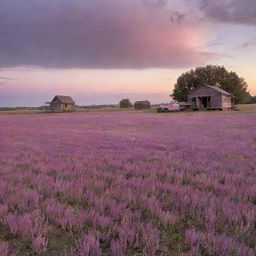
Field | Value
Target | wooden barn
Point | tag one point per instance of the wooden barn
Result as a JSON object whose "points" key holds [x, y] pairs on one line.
{"points": [[142, 104], [62, 103], [206, 97]]}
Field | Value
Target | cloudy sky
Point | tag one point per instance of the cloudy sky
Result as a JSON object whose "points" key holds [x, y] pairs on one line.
{"points": [[99, 51]]}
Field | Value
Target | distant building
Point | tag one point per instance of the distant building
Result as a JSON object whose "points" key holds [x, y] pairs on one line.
{"points": [[142, 104], [62, 103], [210, 97]]}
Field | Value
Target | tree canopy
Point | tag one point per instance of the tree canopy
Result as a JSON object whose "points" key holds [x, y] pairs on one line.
{"points": [[211, 75], [125, 103]]}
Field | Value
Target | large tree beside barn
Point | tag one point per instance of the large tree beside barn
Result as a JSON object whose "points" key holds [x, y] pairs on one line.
{"points": [[211, 75]]}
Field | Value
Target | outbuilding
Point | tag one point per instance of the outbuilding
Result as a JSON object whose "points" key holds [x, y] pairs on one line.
{"points": [[62, 103], [145, 104], [206, 97]]}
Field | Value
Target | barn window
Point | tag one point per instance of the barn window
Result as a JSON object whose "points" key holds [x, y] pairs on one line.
{"points": [[66, 105]]}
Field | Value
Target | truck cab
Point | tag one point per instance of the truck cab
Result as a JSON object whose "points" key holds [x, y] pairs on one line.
{"points": [[173, 107]]}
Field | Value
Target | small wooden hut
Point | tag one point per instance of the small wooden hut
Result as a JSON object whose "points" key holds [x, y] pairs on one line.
{"points": [[62, 103], [206, 97], [145, 104]]}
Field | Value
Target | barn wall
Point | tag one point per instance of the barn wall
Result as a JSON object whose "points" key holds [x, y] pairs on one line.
{"points": [[202, 92], [60, 107], [142, 106], [69, 106], [56, 107], [226, 102], [216, 101], [216, 97]]}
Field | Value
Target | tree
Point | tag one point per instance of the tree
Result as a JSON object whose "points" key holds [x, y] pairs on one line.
{"points": [[125, 103], [211, 75], [253, 100]]}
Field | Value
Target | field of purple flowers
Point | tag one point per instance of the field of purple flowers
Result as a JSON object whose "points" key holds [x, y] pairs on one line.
{"points": [[128, 184]]}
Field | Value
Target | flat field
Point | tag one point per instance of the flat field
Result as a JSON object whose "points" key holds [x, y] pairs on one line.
{"points": [[125, 183]]}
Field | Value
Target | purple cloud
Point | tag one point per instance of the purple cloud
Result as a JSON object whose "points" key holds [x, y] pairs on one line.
{"points": [[230, 11], [97, 34]]}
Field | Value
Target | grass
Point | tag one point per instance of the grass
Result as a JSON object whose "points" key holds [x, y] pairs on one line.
{"points": [[240, 107], [98, 175]]}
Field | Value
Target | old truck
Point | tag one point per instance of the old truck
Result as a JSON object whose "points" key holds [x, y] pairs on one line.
{"points": [[173, 107]]}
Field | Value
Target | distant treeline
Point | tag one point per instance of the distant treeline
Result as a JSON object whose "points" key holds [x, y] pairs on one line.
{"points": [[76, 107], [108, 106], [22, 108], [97, 106], [47, 107], [252, 101]]}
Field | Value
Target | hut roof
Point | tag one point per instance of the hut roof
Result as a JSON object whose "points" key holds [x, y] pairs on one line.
{"points": [[218, 89], [142, 102], [63, 99], [215, 88]]}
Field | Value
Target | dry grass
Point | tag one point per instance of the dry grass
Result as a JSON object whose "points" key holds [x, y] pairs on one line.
{"points": [[247, 107], [17, 112], [240, 107], [130, 110]]}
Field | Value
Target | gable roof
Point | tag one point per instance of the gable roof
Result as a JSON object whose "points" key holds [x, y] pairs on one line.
{"points": [[218, 89], [141, 102], [63, 99], [215, 88]]}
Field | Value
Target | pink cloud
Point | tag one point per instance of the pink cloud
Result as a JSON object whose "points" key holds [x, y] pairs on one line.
{"points": [[104, 34]]}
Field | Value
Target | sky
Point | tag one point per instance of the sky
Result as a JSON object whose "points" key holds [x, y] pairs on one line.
{"points": [[100, 51]]}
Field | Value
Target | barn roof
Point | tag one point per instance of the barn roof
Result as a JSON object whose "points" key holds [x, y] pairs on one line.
{"points": [[63, 99], [142, 102], [215, 88], [218, 89]]}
